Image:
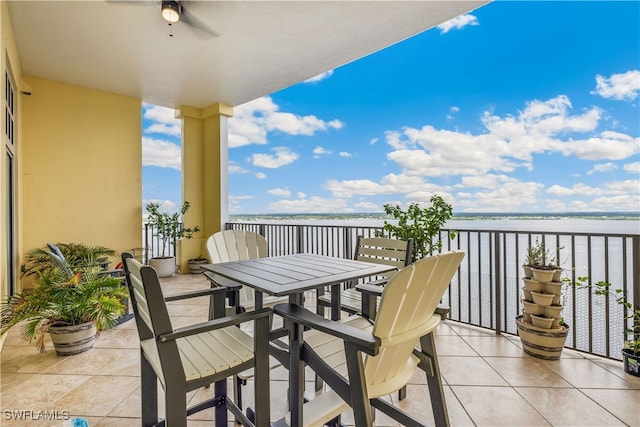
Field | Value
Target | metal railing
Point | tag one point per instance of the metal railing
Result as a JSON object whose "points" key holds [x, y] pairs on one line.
{"points": [[486, 291]]}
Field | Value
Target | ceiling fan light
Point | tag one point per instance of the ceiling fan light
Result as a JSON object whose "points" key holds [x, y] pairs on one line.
{"points": [[171, 11]]}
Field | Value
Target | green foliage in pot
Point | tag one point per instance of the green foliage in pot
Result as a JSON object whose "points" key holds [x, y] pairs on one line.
{"points": [[538, 256], [65, 295], [168, 227], [423, 225], [603, 288], [77, 256]]}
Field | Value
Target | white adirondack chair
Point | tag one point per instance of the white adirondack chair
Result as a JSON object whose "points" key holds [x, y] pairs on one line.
{"points": [[406, 316]]}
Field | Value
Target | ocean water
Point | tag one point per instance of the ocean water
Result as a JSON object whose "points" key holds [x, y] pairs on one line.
{"points": [[627, 223]]}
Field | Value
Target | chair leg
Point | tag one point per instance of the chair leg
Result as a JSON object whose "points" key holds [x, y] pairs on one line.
{"points": [[221, 409], [175, 407], [434, 382], [149, 393]]}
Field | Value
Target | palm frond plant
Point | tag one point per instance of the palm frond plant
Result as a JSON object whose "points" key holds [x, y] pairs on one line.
{"points": [[77, 256], [64, 296]]}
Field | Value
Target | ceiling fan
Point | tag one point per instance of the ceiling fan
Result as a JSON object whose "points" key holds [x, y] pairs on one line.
{"points": [[173, 11]]}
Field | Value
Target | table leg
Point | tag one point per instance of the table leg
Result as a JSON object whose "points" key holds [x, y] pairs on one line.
{"points": [[296, 375], [335, 301]]}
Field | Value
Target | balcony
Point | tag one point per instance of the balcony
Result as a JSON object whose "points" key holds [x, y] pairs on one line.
{"points": [[488, 380]]}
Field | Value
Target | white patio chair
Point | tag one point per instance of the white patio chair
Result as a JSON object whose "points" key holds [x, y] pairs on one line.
{"points": [[362, 361], [236, 245], [187, 358]]}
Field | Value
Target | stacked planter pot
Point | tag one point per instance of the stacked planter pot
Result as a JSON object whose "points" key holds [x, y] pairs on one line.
{"points": [[539, 326]]}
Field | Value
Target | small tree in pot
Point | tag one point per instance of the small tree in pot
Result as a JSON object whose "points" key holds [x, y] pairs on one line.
{"points": [[168, 228], [423, 225]]}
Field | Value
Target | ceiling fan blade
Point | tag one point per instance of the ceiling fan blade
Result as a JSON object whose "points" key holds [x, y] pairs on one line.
{"points": [[202, 29]]}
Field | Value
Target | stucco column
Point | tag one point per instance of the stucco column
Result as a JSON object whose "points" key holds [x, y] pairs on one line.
{"points": [[204, 175]]}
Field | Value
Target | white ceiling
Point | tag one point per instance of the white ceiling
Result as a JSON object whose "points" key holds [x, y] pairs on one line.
{"points": [[125, 47]]}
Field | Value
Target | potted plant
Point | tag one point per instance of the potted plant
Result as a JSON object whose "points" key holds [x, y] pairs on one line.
{"points": [[541, 328], [631, 347], [77, 256], [168, 228], [195, 264], [70, 304], [421, 225]]}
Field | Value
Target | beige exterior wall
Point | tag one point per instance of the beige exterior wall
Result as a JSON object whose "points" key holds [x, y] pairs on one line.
{"points": [[9, 61], [81, 176]]}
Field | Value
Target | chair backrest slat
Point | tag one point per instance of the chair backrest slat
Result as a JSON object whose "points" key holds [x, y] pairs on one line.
{"points": [[407, 312], [382, 250], [236, 245]]}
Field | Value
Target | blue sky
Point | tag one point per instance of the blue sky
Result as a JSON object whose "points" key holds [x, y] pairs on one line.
{"points": [[514, 107]]}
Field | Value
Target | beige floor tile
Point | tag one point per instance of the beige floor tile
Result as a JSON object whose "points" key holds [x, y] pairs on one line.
{"points": [[567, 407], [469, 371], [97, 396], [584, 373], [40, 392], [27, 359], [453, 345], [497, 406], [100, 361], [117, 422], [493, 346], [526, 372], [118, 338], [621, 403]]}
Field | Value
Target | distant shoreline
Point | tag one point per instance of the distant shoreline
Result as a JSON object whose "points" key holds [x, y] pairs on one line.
{"points": [[625, 216]]}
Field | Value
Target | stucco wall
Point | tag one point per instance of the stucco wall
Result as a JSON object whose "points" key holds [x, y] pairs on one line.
{"points": [[81, 176]]}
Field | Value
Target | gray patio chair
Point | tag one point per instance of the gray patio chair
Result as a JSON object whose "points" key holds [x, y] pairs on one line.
{"points": [[361, 361], [187, 358], [379, 250]]}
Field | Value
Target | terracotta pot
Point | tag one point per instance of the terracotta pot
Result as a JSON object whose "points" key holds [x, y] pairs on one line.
{"points": [[532, 308], [541, 343], [533, 285], [542, 298], [542, 275], [541, 321]]}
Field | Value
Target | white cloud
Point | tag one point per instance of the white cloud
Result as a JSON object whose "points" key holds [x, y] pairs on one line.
{"points": [[280, 192], [235, 168], [373, 141], [609, 145], [319, 77], [164, 154], [319, 151], [261, 175], [633, 168], [509, 196], [576, 190], [389, 184], [282, 157], [254, 120], [166, 206], [345, 154], [314, 204], [619, 86], [368, 206], [458, 22], [602, 167], [163, 118], [454, 109], [301, 195]]}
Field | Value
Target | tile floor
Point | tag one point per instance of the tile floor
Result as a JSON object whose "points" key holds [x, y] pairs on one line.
{"points": [[488, 381]]}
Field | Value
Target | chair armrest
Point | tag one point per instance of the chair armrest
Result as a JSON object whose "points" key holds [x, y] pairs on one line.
{"points": [[218, 323], [197, 293], [368, 343], [370, 289], [222, 281]]}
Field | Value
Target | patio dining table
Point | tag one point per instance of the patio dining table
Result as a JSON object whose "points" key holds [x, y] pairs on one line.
{"points": [[292, 275]]}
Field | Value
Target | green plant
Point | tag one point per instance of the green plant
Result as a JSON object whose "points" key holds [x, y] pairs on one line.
{"points": [[423, 225], [77, 256], [168, 227], [538, 256], [65, 296], [603, 288]]}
